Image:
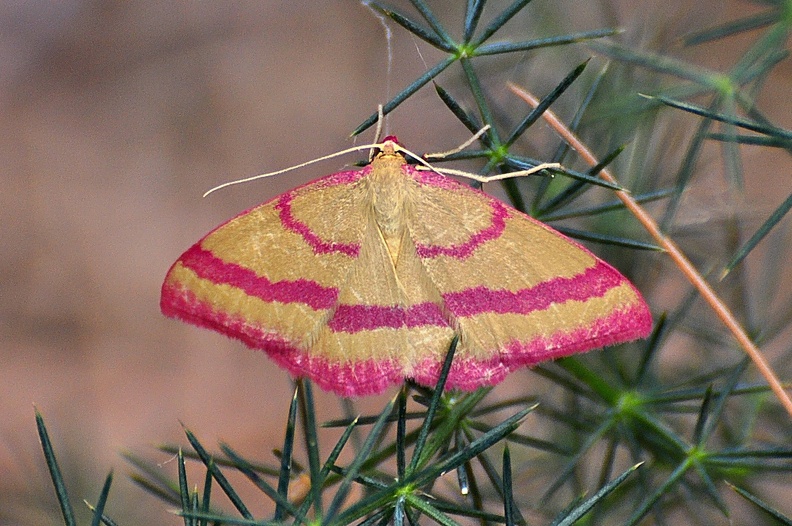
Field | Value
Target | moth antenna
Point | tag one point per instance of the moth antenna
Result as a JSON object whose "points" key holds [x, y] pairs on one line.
{"points": [[468, 175], [474, 138], [295, 167], [425, 164], [476, 177], [497, 177]]}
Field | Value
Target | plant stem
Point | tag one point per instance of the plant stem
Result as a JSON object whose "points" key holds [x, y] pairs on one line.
{"points": [[684, 264]]}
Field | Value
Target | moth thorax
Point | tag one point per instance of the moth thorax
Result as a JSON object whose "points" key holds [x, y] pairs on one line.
{"points": [[388, 191]]}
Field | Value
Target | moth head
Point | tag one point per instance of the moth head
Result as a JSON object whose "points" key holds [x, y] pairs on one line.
{"points": [[389, 148]]}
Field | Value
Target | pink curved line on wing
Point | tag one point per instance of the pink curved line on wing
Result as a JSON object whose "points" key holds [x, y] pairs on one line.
{"points": [[364, 377], [464, 250], [594, 282], [460, 251], [320, 246], [343, 378], [356, 318], [619, 326], [208, 266]]}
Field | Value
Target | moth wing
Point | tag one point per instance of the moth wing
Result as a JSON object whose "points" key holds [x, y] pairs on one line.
{"points": [[272, 276], [517, 291], [308, 278]]}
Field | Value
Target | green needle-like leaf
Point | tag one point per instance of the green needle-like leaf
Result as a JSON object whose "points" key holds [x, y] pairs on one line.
{"points": [[772, 131], [416, 29], [655, 62], [206, 498], [772, 512], [508, 493], [763, 230], [710, 487], [286, 456], [481, 101], [426, 507], [431, 410], [566, 472], [399, 513], [245, 467], [662, 490], [405, 93], [573, 190], [472, 15], [357, 463], [586, 506], [55, 473], [401, 432], [607, 240], [422, 8], [731, 28], [100, 504], [650, 350], [465, 510], [499, 21], [702, 418], [752, 140], [545, 103], [216, 518], [232, 495], [475, 448], [611, 206], [498, 48], [308, 412], [184, 490], [469, 120]]}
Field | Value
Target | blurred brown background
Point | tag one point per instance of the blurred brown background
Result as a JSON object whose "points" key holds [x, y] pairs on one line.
{"points": [[115, 117]]}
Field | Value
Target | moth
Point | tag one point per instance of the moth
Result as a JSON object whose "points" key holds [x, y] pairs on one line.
{"points": [[361, 279]]}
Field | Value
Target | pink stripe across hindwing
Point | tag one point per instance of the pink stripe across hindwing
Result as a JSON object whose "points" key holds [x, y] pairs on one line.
{"points": [[356, 318], [594, 282], [208, 266], [344, 378], [628, 323], [373, 376]]}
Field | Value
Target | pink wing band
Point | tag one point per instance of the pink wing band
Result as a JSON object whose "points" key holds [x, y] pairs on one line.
{"points": [[373, 376], [356, 318], [346, 379], [592, 283], [320, 246], [619, 326], [208, 266], [463, 250]]}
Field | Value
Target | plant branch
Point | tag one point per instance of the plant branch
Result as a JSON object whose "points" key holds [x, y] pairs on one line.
{"points": [[679, 258]]}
